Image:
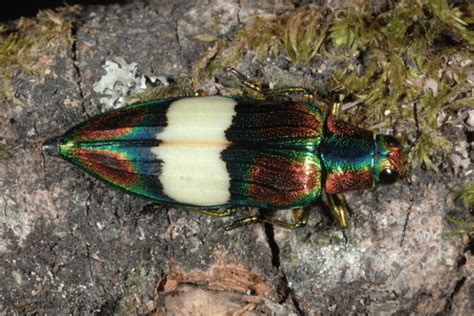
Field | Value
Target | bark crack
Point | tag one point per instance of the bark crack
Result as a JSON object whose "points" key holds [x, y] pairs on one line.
{"points": [[457, 287], [407, 216], [77, 69], [404, 230], [275, 249], [283, 286]]}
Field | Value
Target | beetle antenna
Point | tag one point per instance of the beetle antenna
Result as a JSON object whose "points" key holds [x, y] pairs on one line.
{"points": [[417, 124], [408, 178], [410, 207]]}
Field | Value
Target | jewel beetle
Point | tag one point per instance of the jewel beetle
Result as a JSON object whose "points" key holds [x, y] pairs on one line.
{"points": [[214, 154]]}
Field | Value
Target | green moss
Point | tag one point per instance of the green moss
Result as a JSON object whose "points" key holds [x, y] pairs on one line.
{"points": [[453, 18], [347, 28], [463, 220], [423, 150], [31, 44], [407, 60], [12, 48], [461, 227], [4, 154], [304, 33], [299, 35], [467, 194]]}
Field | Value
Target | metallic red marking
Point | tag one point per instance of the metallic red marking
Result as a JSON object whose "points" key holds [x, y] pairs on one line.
{"points": [[112, 166], [342, 128], [348, 181], [281, 182], [397, 158], [102, 135], [113, 125], [298, 122], [290, 132]]}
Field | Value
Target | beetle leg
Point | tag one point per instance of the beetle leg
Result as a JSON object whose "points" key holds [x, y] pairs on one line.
{"points": [[338, 206], [307, 96], [220, 212], [245, 81], [247, 220], [336, 109], [300, 218]]}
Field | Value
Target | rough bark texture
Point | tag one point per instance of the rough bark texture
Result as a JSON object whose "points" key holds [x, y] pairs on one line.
{"points": [[69, 244]]}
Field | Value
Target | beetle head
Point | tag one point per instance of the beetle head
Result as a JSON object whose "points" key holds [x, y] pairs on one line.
{"points": [[389, 159]]}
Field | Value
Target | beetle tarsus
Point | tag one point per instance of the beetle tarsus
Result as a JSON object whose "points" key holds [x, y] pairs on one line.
{"points": [[336, 109], [242, 221], [220, 212], [339, 209]]}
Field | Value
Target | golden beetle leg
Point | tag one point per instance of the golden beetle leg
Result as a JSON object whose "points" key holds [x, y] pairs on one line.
{"points": [[220, 212], [307, 96], [336, 109], [300, 216], [338, 206], [245, 81], [247, 220]]}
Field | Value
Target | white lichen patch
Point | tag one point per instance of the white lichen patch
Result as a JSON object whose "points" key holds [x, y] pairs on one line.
{"points": [[120, 81]]}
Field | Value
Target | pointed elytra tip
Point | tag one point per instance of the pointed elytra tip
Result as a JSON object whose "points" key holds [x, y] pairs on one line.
{"points": [[51, 146]]}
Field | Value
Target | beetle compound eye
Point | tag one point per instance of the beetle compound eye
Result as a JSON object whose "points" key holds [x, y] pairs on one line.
{"points": [[388, 176]]}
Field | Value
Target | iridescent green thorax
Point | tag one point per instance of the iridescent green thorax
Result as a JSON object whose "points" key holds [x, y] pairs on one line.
{"points": [[356, 159], [347, 153]]}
